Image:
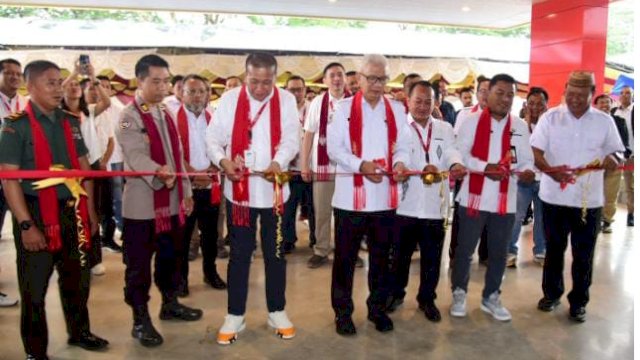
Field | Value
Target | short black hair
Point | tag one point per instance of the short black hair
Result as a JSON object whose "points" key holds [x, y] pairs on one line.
{"points": [[595, 101], [103, 77], [175, 79], [350, 73], [468, 89], [232, 77], [501, 77], [329, 66], [195, 77], [147, 61], [422, 83], [538, 91], [410, 77], [9, 61], [295, 77], [261, 60], [36, 68], [480, 80]]}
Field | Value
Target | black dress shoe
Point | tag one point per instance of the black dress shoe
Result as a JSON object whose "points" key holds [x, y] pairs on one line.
{"points": [[548, 305], [215, 281], [431, 312], [382, 321], [578, 314], [147, 334], [345, 326], [177, 311], [89, 341], [35, 357], [630, 220]]}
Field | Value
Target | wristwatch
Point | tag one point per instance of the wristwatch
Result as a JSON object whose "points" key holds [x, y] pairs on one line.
{"points": [[26, 225]]}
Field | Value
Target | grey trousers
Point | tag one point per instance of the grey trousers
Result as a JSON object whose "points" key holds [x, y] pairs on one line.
{"points": [[499, 229], [323, 211]]}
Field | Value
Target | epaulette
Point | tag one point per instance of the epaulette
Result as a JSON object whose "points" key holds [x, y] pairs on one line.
{"points": [[16, 115]]}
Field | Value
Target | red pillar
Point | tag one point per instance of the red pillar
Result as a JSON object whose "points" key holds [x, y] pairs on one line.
{"points": [[567, 35]]}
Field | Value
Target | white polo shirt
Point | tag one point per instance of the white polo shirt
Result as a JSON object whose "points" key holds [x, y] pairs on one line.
{"points": [[312, 124], [566, 140], [425, 201]]}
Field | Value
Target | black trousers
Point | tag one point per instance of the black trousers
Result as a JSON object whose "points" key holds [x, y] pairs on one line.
{"points": [[430, 235], [139, 245], [207, 216], [243, 243], [3, 208], [350, 227], [559, 223], [103, 203], [34, 272], [301, 194]]}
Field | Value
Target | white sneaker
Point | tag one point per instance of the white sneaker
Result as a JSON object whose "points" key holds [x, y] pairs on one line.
{"points": [[280, 322], [511, 260], [493, 306], [228, 333], [459, 305], [6, 301], [539, 258], [98, 270]]}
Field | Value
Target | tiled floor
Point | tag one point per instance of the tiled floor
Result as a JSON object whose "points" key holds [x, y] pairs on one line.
{"points": [[608, 333]]}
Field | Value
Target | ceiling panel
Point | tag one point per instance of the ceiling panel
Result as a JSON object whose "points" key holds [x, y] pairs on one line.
{"points": [[473, 13]]}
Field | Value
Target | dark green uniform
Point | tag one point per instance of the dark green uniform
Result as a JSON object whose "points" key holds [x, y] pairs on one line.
{"points": [[35, 268]]}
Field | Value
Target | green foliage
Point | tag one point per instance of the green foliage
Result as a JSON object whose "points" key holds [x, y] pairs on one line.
{"points": [[79, 14]]}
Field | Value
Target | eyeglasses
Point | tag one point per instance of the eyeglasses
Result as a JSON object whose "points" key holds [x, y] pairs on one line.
{"points": [[372, 79], [195, 92]]}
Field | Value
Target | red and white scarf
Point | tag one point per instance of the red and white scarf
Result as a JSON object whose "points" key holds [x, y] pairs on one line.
{"points": [[322, 155], [183, 129], [480, 150], [241, 141], [162, 197], [355, 135], [48, 198]]}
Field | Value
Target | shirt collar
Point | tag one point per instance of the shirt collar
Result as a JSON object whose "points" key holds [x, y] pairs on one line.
{"points": [[263, 101], [412, 120]]}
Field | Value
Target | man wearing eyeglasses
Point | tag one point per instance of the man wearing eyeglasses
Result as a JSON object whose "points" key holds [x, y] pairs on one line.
{"points": [[253, 138], [368, 138], [193, 118], [301, 192]]}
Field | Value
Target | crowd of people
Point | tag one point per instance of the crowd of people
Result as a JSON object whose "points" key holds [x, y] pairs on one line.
{"points": [[367, 169]]}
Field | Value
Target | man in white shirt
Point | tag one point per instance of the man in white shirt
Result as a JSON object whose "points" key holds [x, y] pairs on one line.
{"points": [[253, 138], [301, 192], [423, 207], [314, 159], [494, 145], [116, 162], [173, 102], [625, 111], [482, 92], [12, 102], [369, 138], [192, 120], [353, 84], [572, 136], [537, 99]]}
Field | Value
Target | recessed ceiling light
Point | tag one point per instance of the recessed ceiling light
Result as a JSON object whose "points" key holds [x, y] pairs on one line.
{"points": [[466, 8], [333, 1]]}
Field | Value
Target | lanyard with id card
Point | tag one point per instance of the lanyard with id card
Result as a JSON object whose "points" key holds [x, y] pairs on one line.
{"points": [[250, 155]]}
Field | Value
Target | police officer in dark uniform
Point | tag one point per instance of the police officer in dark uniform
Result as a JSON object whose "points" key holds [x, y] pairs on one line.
{"points": [[44, 221]]}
